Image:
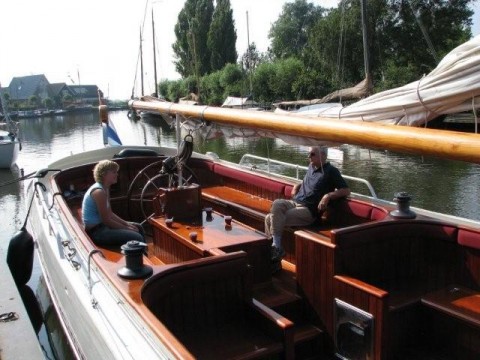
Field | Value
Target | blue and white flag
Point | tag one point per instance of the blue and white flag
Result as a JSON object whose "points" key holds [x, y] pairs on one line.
{"points": [[110, 136]]}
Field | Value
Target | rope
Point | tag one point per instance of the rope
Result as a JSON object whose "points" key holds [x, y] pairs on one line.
{"points": [[202, 114], [475, 115], [421, 101], [53, 199], [31, 201], [18, 179]]}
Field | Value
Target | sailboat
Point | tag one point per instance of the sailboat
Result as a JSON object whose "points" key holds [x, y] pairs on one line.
{"points": [[374, 279], [452, 87], [146, 116], [9, 141]]}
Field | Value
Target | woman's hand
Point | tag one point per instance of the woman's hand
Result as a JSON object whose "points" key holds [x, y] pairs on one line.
{"points": [[132, 227]]}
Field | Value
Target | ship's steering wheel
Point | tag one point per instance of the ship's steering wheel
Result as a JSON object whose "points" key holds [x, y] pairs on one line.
{"points": [[145, 185]]}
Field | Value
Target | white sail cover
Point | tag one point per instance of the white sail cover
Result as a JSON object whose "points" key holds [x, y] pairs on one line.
{"points": [[452, 87]]}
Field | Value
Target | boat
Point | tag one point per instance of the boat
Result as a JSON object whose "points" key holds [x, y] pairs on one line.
{"points": [[148, 117], [373, 279], [9, 142]]}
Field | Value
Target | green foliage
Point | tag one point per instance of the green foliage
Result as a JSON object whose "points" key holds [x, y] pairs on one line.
{"points": [[48, 103], [315, 51], [396, 40], [222, 37], [290, 32], [67, 97], [232, 81], [212, 91], [191, 30], [34, 100], [263, 82], [177, 90], [163, 87]]}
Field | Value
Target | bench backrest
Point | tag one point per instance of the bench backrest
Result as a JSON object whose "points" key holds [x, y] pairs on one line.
{"points": [[254, 184], [347, 212], [201, 294], [394, 254]]}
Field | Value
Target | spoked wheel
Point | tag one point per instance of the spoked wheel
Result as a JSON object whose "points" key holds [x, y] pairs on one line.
{"points": [[146, 184]]}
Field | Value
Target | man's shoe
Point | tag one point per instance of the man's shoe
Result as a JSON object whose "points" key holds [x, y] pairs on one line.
{"points": [[277, 254]]}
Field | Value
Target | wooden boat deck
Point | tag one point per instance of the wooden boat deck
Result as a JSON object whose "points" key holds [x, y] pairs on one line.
{"points": [[378, 264]]}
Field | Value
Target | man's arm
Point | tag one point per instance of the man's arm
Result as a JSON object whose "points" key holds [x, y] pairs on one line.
{"points": [[295, 189], [337, 194]]}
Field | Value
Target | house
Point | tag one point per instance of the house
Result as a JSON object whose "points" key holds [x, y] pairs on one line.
{"points": [[21, 90], [85, 94], [60, 91]]}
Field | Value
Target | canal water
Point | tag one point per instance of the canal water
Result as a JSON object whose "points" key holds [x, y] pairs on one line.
{"points": [[439, 185]]}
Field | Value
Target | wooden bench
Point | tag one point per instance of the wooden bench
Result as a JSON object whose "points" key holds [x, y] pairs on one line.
{"points": [[248, 197], [243, 194], [207, 304], [401, 257]]}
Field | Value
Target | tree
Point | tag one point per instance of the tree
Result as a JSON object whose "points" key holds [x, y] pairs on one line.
{"points": [[33, 100], [232, 81], [190, 49], [48, 103], [290, 32], [414, 25], [397, 44], [222, 37]]}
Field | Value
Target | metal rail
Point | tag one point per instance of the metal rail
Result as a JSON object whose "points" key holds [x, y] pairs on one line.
{"points": [[297, 169]]}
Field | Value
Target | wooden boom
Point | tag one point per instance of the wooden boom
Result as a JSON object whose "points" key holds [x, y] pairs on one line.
{"points": [[439, 143]]}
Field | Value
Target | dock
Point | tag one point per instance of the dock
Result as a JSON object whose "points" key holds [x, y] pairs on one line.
{"points": [[17, 338]]}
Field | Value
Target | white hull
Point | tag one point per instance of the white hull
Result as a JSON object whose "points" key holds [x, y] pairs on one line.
{"points": [[8, 153], [100, 324]]}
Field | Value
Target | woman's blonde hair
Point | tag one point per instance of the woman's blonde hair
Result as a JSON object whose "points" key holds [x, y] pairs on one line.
{"points": [[102, 167]]}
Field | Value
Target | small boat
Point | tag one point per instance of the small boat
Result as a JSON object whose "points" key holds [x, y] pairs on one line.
{"points": [[9, 143], [374, 279]]}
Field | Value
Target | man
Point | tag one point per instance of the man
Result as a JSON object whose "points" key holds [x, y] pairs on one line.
{"points": [[322, 183]]}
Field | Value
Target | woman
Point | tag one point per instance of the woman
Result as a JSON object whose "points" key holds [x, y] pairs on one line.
{"points": [[101, 224]]}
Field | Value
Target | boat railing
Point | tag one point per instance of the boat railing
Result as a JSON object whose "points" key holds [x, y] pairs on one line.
{"points": [[246, 161]]}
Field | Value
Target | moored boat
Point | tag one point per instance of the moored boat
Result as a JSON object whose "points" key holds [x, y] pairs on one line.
{"points": [[375, 279], [9, 142]]}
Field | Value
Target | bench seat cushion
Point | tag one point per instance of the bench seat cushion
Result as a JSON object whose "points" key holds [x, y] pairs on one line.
{"points": [[469, 238], [237, 198]]}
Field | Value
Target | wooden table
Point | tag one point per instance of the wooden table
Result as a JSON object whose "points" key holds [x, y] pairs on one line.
{"points": [[173, 244], [457, 301]]}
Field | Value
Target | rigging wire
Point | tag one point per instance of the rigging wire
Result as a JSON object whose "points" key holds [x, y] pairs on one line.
{"points": [[416, 13], [140, 46]]}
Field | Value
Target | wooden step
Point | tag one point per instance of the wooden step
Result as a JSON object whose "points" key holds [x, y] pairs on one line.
{"points": [[308, 340], [306, 332]]}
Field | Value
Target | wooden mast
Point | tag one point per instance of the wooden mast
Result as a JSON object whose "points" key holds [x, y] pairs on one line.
{"points": [[155, 94], [141, 62], [440, 143]]}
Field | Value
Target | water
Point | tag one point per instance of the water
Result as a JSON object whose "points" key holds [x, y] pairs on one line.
{"points": [[439, 185]]}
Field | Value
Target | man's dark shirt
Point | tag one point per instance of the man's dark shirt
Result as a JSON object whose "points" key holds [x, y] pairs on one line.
{"points": [[316, 184]]}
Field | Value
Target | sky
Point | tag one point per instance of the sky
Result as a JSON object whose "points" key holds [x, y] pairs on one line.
{"points": [[96, 42]]}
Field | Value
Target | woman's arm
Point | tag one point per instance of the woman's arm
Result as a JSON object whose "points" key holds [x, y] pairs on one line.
{"points": [[108, 217]]}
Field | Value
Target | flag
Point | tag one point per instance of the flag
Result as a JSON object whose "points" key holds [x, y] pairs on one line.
{"points": [[110, 136]]}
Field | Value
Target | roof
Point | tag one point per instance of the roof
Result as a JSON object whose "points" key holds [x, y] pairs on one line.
{"points": [[57, 89], [84, 91], [23, 87]]}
